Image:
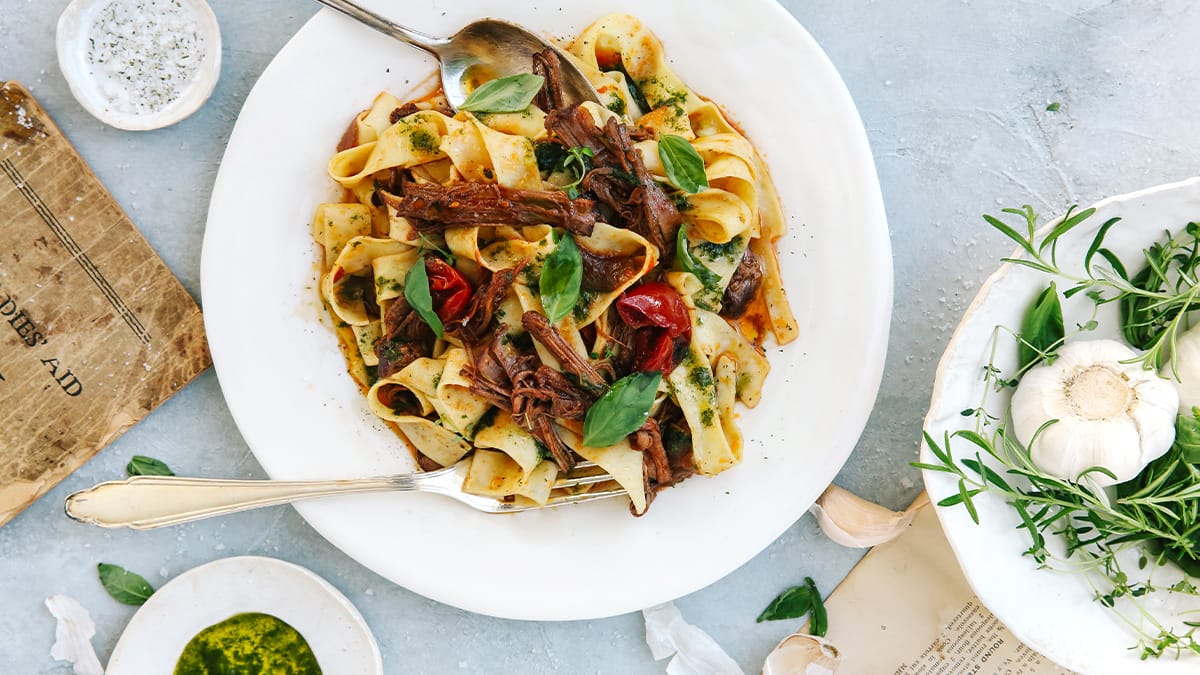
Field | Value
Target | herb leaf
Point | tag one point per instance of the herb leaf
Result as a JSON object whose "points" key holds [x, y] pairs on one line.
{"points": [[689, 263], [682, 164], [1042, 328], [141, 465], [506, 94], [416, 292], [622, 409], [794, 603], [1187, 438], [124, 586], [562, 274]]}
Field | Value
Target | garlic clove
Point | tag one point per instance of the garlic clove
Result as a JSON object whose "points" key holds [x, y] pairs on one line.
{"points": [[802, 654], [1185, 369], [853, 521]]}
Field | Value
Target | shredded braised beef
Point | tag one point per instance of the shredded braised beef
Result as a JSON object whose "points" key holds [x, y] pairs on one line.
{"points": [[430, 207], [619, 178], [743, 286], [541, 330], [405, 337], [606, 273], [474, 325], [546, 64]]}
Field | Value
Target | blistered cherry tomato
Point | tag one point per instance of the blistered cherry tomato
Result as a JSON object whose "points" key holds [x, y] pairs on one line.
{"points": [[450, 290], [655, 304]]}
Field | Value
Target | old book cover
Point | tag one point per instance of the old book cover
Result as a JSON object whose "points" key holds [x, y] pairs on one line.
{"points": [[95, 331]]}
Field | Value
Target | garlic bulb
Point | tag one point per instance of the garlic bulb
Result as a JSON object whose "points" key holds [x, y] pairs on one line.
{"points": [[802, 654], [853, 521], [1186, 370], [1115, 415]]}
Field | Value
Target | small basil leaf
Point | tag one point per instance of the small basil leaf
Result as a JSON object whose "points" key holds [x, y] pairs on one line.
{"points": [[689, 263], [141, 465], [506, 94], [622, 409], [124, 586], [416, 292], [682, 164], [1042, 329], [793, 603], [562, 273], [819, 621]]}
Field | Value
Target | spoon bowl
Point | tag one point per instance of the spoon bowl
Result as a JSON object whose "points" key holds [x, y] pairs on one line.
{"points": [[482, 50]]}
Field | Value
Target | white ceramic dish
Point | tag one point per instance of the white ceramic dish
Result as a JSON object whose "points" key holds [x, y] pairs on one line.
{"points": [[286, 382], [208, 594], [71, 42], [1052, 612]]}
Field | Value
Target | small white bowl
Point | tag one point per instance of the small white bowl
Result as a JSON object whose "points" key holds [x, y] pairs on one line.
{"points": [[72, 40], [211, 593]]}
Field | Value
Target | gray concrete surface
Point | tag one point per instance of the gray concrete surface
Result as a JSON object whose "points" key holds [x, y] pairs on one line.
{"points": [[954, 95]]}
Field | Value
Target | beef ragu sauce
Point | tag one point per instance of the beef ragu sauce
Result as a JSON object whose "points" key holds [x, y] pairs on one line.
{"points": [[478, 203]]}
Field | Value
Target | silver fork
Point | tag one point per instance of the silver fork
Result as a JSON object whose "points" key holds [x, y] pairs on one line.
{"points": [[145, 502]]}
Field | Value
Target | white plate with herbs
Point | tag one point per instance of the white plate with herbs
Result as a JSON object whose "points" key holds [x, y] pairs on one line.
{"points": [[1118, 608], [286, 384]]}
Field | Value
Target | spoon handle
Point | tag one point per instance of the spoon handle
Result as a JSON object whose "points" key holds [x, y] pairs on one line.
{"points": [[144, 502], [427, 42]]}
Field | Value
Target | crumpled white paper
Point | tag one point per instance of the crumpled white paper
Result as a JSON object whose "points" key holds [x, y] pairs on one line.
{"points": [[73, 635], [696, 652]]}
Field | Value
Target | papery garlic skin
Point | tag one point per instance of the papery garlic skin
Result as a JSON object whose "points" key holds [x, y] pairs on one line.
{"points": [[1185, 370], [1115, 415]]}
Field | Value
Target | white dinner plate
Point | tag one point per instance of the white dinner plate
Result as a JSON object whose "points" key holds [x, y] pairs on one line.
{"points": [[209, 594], [1052, 612], [286, 382]]}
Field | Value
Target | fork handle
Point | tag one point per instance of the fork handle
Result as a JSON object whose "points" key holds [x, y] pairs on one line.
{"points": [[371, 19], [145, 502]]}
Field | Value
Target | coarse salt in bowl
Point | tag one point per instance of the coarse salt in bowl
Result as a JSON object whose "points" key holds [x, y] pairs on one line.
{"points": [[139, 64]]}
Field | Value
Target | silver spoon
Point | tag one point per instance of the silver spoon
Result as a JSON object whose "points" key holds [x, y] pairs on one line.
{"points": [[483, 50]]}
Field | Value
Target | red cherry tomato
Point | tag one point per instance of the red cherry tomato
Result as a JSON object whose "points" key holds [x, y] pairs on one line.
{"points": [[450, 290], [658, 305]]}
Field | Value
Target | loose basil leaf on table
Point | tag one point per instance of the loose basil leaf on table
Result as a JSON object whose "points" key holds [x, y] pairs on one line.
{"points": [[506, 94], [682, 164], [622, 409], [797, 601], [562, 274], [124, 586], [689, 263], [1042, 328], [141, 465], [416, 292]]}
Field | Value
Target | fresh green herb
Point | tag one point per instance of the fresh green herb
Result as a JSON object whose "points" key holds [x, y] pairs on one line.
{"points": [[416, 292], [676, 441], [549, 155], [1053, 107], [141, 465], [794, 603], [124, 586], [424, 242], [561, 276], [506, 94], [1042, 330], [579, 160], [714, 251], [689, 263], [622, 409], [682, 164]]}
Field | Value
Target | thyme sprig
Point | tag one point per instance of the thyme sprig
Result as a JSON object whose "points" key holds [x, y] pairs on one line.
{"points": [[1157, 514]]}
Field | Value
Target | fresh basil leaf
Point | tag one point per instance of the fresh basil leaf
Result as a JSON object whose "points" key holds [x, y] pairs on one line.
{"points": [[682, 164], [1187, 438], [689, 263], [1042, 329], [416, 292], [562, 273], [818, 621], [793, 603], [141, 465], [124, 586], [622, 409], [506, 94]]}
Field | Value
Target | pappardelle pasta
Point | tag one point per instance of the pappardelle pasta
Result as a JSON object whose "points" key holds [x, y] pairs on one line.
{"points": [[533, 283]]}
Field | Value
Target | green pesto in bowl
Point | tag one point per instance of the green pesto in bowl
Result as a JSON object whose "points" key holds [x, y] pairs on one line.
{"points": [[248, 644]]}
